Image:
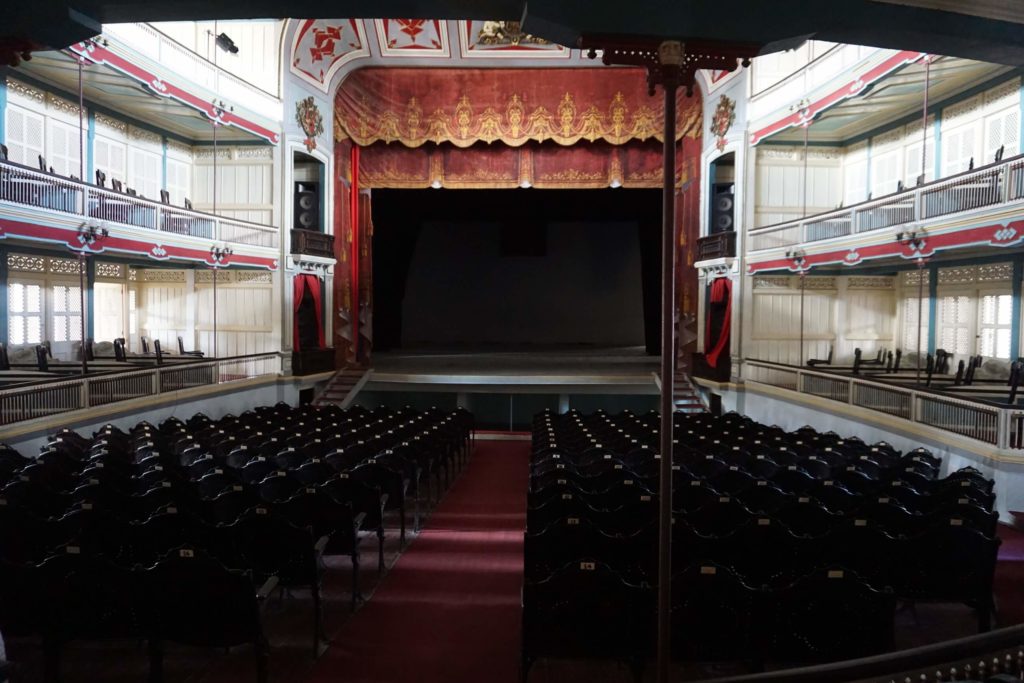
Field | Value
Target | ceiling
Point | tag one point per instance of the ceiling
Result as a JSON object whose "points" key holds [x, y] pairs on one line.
{"points": [[989, 30], [896, 96]]}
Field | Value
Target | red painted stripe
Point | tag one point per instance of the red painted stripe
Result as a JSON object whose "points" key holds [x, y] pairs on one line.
{"points": [[850, 89], [124, 245], [101, 55], [993, 235]]}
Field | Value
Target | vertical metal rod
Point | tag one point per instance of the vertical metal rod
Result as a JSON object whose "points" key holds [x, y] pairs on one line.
{"points": [[803, 277], [807, 126], [81, 307], [81, 130], [214, 311], [215, 165], [920, 313], [667, 380], [924, 118]]}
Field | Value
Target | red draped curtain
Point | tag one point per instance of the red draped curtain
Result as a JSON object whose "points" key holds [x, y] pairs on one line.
{"points": [[720, 301], [301, 284]]}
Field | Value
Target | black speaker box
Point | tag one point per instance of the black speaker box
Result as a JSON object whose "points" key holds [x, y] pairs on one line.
{"points": [[307, 206], [722, 207]]}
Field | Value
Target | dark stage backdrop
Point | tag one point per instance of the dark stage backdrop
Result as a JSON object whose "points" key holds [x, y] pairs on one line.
{"points": [[514, 267], [475, 284]]}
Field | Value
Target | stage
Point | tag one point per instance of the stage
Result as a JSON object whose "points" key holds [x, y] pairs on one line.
{"points": [[520, 369]]}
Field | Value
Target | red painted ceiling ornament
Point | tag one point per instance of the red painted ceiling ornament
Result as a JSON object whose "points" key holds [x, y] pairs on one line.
{"points": [[411, 27]]}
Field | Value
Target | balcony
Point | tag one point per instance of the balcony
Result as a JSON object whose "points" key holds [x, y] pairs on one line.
{"points": [[717, 245], [25, 187], [996, 185], [310, 243]]}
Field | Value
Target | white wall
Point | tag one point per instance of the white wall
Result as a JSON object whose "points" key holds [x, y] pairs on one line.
{"points": [[846, 312], [245, 182], [779, 183]]}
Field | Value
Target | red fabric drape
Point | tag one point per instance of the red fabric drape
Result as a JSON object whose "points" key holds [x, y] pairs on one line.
{"points": [[721, 293], [354, 283], [299, 288]]}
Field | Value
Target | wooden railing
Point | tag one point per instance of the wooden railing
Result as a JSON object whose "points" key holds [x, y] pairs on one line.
{"points": [[25, 186], [993, 185], [312, 243], [717, 245], [971, 658], [41, 399], [996, 425]]}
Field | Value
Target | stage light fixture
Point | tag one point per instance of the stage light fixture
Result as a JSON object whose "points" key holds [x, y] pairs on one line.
{"points": [[225, 43]]}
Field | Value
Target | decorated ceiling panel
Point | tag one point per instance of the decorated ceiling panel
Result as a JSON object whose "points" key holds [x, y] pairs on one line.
{"points": [[324, 51], [512, 106]]}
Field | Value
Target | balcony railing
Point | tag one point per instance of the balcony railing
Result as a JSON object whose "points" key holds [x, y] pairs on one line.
{"points": [[24, 186], [312, 243], [717, 245], [41, 399], [995, 425], [993, 185]]}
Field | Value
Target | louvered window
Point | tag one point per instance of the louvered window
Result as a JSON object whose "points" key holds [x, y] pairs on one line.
{"points": [[995, 325], [24, 313]]}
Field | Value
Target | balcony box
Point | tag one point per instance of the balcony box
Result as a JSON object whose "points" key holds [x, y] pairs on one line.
{"points": [[718, 245], [310, 243]]}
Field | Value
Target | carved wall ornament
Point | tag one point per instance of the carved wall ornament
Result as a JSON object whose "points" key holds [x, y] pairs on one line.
{"points": [[29, 264], [64, 266], [772, 282], [958, 275], [161, 275], [869, 283], [310, 120], [25, 90], [111, 123], [912, 278], [1009, 91], [254, 276], [110, 270], [812, 282], [995, 272], [722, 120]]}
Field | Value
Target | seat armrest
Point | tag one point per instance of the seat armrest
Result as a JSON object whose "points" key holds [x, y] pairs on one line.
{"points": [[321, 545], [358, 520], [383, 499]]}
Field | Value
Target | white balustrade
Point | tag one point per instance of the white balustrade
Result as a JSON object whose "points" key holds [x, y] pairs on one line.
{"points": [[24, 186], [994, 185]]}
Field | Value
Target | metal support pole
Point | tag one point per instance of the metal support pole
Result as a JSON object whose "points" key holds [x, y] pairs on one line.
{"points": [[215, 311], [668, 252], [807, 127], [81, 129], [803, 284], [81, 308], [920, 320], [924, 118]]}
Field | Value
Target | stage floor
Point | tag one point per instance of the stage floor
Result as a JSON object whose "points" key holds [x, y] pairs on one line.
{"points": [[546, 369]]}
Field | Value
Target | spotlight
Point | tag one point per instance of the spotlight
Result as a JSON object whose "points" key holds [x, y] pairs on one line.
{"points": [[225, 43]]}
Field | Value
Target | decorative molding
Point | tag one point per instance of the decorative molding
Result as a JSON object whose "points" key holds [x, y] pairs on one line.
{"points": [[1009, 91], [889, 137], [110, 270], [829, 153], [133, 275], [718, 268], [62, 105], [961, 109], [912, 278], [26, 91], [958, 275], [254, 277], [144, 135], [254, 153], [776, 152], [161, 275], [64, 266], [180, 148], [995, 272], [772, 282], [112, 123], [811, 282], [29, 264], [204, 153], [870, 283]]}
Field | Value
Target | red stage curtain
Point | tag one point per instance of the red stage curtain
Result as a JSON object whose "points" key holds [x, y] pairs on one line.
{"points": [[299, 288], [721, 294], [414, 106]]}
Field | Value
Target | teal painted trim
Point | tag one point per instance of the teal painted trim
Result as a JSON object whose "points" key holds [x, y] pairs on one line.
{"points": [[1015, 288], [90, 297], [937, 147], [90, 149], [3, 128], [935, 107], [163, 163], [933, 306], [3, 295]]}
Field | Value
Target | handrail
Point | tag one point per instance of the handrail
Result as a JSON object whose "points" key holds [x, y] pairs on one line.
{"points": [[907, 664], [992, 423], [994, 184], [26, 186], [40, 399]]}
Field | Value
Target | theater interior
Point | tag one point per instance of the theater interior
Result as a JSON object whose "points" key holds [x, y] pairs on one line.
{"points": [[511, 342]]}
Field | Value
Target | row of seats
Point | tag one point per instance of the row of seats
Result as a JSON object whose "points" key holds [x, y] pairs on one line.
{"points": [[267, 492], [883, 521]]}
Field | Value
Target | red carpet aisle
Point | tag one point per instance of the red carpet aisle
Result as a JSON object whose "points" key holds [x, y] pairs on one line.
{"points": [[449, 612]]}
